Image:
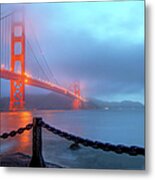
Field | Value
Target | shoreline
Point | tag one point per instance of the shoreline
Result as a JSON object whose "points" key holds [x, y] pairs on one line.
{"points": [[111, 161], [19, 159]]}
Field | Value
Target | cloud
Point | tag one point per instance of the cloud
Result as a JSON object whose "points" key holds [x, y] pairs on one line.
{"points": [[102, 20], [101, 44]]}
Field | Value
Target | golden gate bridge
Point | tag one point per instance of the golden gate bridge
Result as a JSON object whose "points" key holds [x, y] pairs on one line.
{"points": [[17, 56]]}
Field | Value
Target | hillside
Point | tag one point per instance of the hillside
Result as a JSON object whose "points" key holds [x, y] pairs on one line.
{"points": [[55, 101]]}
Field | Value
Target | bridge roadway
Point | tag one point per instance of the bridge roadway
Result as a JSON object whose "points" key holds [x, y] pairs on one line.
{"points": [[7, 74]]}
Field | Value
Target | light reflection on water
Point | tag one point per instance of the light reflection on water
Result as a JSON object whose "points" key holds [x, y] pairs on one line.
{"points": [[12, 121]]}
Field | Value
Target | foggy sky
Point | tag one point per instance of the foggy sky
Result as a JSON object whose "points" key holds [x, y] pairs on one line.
{"points": [[100, 44]]}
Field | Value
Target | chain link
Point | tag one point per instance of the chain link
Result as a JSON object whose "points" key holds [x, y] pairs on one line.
{"points": [[132, 150], [18, 131]]}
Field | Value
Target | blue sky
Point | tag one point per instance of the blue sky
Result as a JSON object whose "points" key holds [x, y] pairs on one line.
{"points": [[100, 44]]}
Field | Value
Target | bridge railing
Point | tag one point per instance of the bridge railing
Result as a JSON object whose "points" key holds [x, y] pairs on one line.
{"points": [[37, 159]]}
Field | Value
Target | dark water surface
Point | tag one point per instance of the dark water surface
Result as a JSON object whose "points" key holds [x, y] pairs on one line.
{"points": [[117, 127]]}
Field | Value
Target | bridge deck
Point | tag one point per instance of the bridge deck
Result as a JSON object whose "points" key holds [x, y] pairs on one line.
{"points": [[7, 74]]}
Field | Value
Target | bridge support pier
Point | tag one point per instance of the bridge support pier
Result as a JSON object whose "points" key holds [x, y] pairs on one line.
{"points": [[76, 102]]}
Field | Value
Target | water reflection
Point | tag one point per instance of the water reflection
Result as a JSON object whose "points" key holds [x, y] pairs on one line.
{"points": [[12, 121], [25, 138]]}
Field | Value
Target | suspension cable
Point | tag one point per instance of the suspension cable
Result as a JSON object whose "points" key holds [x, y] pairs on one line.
{"points": [[41, 52], [6, 16], [37, 60]]}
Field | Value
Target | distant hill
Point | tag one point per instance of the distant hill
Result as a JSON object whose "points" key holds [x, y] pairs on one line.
{"points": [[56, 101], [116, 105], [47, 101]]}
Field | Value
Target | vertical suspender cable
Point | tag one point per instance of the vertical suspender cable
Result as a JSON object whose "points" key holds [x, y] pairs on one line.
{"points": [[42, 55], [1, 50], [2, 40]]}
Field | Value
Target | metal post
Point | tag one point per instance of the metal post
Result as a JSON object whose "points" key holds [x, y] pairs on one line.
{"points": [[37, 158]]}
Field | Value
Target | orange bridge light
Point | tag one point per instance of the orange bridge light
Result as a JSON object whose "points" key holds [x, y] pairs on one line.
{"points": [[26, 80]]}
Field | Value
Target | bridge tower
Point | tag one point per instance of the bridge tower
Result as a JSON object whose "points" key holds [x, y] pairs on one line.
{"points": [[77, 92], [17, 87]]}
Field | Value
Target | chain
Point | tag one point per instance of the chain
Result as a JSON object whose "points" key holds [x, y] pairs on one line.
{"points": [[18, 131], [132, 150]]}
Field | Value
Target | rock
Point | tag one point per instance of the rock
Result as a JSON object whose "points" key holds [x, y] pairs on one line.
{"points": [[74, 146]]}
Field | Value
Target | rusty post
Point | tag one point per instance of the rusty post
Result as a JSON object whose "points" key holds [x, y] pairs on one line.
{"points": [[37, 158]]}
